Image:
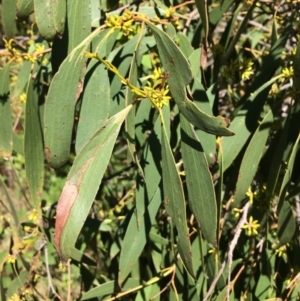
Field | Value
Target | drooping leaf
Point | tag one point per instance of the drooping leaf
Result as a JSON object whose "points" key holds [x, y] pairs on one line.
{"points": [[60, 105], [50, 17], [252, 158], [202, 199], [83, 182], [179, 76], [33, 144], [175, 202], [6, 136]]}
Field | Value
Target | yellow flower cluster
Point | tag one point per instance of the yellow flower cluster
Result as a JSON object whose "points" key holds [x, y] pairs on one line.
{"points": [[121, 22]]}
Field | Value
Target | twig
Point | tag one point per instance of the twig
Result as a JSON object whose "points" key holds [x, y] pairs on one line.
{"points": [[194, 14], [233, 243], [50, 285], [213, 284], [166, 286]]}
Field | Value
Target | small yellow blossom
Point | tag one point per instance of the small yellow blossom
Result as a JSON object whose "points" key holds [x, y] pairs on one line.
{"points": [[39, 47], [30, 42], [251, 227], [123, 23], [170, 12], [33, 216], [10, 259], [14, 297], [45, 62], [247, 69], [23, 97], [281, 251], [30, 57], [14, 78], [250, 195], [157, 73], [213, 251], [158, 97], [237, 212], [288, 72], [274, 89], [62, 267]]}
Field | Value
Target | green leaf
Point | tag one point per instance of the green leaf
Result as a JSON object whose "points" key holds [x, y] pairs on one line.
{"points": [[50, 17], [8, 18], [95, 103], [109, 288], [296, 66], [22, 80], [24, 8], [83, 183], [202, 199], [136, 237], [180, 75], [33, 144], [10, 202], [208, 141], [252, 158], [60, 105], [286, 221], [175, 202], [278, 157], [203, 12], [6, 137], [79, 22]]}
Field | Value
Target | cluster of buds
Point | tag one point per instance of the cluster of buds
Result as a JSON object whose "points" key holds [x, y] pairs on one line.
{"points": [[124, 23]]}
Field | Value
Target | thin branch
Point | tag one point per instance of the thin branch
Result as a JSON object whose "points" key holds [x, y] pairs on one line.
{"points": [[233, 244]]}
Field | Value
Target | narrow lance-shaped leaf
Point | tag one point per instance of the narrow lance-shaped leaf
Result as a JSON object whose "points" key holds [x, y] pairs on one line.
{"points": [[180, 75], [79, 22], [6, 136], [200, 187], [60, 105], [8, 18], [24, 8], [175, 202], [136, 237], [252, 158], [33, 145], [95, 105], [83, 183], [286, 219], [50, 17]]}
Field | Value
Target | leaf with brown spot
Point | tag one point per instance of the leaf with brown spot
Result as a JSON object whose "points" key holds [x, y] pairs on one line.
{"points": [[83, 183], [65, 203]]}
